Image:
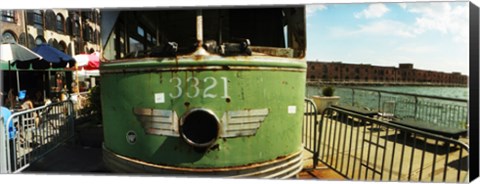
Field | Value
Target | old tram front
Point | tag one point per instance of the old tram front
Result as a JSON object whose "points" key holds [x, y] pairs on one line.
{"points": [[204, 92]]}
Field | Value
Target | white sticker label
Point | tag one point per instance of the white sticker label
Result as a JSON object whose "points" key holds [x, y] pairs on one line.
{"points": [[292, 109], [159, 98]]}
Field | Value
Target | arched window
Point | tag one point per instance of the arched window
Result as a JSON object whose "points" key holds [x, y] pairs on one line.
{"points": [[76, 29], [87, 14], [39, 40], [68, 26], [50, 20], [38, 19], [8, 15], [26, 40], [92, 37], [87, 33], [62, 46], [9, 36], [60, 23], [53, 42]]}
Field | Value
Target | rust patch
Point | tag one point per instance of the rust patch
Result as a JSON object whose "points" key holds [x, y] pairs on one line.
{"points": [[280, 157], [198, 57], [221, 169]]}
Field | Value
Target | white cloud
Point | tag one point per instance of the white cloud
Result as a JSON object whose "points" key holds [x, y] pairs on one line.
{"points": [[416, 49], [311, 9], [380, 27], [375, 10], [442, 17], [387, 27]]}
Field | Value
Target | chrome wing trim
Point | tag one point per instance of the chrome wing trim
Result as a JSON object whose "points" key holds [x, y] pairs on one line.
{"points": [[157, 121], [243, 122]]}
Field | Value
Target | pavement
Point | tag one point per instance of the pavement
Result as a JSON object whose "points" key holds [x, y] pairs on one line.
{"points": [[83, 155]]}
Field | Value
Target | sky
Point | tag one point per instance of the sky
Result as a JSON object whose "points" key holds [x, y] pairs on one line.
{"points": [[431, 35]]}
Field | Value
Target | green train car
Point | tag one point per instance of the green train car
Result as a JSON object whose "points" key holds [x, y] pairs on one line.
{"points": [[204, 92]]}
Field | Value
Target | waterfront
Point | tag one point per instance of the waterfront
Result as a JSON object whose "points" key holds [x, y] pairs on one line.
{"points": [[446, 106], [450, 92]]}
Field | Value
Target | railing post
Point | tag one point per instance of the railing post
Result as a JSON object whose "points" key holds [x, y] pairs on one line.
{"points": [[71, 119], [353, 97], [379, 100], [416, 108], [315, 134], [3, 147]]}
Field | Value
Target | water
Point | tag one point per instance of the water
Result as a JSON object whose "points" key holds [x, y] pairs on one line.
{"points": [[451, 92], [438, 111]]}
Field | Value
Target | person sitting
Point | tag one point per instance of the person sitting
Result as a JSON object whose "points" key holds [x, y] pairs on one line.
{"points": [[10, 102], [38, 99], [25, 101]]}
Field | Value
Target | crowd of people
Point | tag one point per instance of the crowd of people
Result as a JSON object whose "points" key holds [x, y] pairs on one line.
{"points": [[24, 101]]}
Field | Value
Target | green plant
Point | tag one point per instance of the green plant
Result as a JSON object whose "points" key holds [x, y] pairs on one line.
{"points": [[328, 91]]}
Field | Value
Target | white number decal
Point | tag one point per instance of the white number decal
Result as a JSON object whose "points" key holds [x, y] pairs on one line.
{"points": [[179, 89], [196, 90], [214, 83], [195, 86], [225, 87]]}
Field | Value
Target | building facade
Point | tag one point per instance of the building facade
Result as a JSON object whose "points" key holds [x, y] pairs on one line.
{"points": [[70, 31], [404, 73]]}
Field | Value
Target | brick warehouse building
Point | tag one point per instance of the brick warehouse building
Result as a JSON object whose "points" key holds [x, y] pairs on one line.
{"points": [[405, 73], [71, 31]]}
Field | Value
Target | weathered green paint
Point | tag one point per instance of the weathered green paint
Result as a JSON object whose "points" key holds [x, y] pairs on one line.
{"points": [[263, 84]]}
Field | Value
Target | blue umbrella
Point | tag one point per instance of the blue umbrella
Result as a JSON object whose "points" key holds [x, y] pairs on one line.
{"points": [[52, 57]]}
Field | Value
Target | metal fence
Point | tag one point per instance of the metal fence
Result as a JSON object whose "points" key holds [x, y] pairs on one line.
{"points": [[447, 112], [362, 148], [310, 129], [38, 131]]}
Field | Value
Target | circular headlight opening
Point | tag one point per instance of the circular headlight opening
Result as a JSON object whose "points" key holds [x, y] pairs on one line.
{"points": [[200, 127]]}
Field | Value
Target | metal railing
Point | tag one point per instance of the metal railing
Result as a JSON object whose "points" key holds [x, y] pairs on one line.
{"points": [[310, 130], [447, 112], [38, 131], [362, 148]]}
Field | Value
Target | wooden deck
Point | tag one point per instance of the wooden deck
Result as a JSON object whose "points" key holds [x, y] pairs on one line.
{"points": [[321, 172]]}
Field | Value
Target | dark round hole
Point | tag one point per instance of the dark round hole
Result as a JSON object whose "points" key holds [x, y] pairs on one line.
{"points": [[200, 128]]}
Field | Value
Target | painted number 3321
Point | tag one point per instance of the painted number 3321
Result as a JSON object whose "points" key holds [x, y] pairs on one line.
{"points": [[193, 83]]}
